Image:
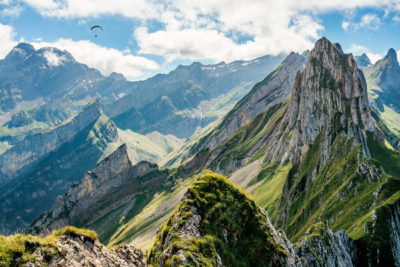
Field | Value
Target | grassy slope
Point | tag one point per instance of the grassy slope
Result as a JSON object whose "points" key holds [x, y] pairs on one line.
{"points": [[241, 143], [151, 147], [267, 187], [340, 194], [176, 157], [141, 228]]}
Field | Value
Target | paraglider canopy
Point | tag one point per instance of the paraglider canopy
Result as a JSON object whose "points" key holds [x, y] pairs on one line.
{"points": [[98, 27]]}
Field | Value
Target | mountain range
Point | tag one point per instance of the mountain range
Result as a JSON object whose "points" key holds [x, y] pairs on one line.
{"points": [[301, 169], [52, 131]]}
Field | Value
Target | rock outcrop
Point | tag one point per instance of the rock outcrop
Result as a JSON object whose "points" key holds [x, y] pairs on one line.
{"points": [[82, 201], [78, 251], [321, 247], [67, 247]]}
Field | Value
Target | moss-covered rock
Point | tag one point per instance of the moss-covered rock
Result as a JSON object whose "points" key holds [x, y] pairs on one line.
{"points": [[217, 224]]}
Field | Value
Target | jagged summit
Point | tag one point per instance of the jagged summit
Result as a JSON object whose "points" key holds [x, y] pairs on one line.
{"points": [[363, 60], [22, 49], [392, 56], [18, 53], [330, 94], [385, 73]]}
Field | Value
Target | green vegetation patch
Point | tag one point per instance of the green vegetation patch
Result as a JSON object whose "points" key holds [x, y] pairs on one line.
{"points": [[231, 226], [266, 187], [238, 145]]}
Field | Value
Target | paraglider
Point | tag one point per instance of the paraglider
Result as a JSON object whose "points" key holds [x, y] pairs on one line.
{"points": [[96, 27]]}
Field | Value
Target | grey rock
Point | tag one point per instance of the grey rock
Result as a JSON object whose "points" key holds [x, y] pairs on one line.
{"points": [[73, 251], [82, 199], [363, 60]]}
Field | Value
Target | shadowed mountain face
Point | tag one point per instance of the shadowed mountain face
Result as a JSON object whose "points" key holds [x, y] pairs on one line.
{"points": [[48, 72], [44, 165], [190, 97], [362, 61], [383, 79]]}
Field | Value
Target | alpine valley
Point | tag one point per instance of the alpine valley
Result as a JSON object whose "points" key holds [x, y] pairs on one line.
{"points": [[287, 160]]}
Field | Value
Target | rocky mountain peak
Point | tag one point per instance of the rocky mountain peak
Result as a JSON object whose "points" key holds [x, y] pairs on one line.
{"points": [[330, 94], [386, 72], [18, 53], [363, 60], [391, 56]]}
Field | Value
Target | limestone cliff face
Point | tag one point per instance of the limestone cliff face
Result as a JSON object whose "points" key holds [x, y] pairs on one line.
{"points": [[329, 94], [82, 198], [322, 247], [17, 160]]}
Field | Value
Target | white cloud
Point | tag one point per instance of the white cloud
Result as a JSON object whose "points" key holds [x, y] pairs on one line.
{"points": [[106, 60], [42, 4], [11, 11], [185, 36], [398, 55], [371, 21], [359, 49], [345, 25], [7, 36], [212, 29], [80, 9], [54, 60], [374, 57]]}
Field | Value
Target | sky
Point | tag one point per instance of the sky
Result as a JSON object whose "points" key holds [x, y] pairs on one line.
{"points": [[141, 38]]}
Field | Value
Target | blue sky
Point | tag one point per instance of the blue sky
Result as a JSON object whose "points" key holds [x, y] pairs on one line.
{"points": [[144, 37]]}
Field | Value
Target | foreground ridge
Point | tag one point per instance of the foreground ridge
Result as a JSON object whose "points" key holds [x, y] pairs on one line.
{"points": [[68, 246]]}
